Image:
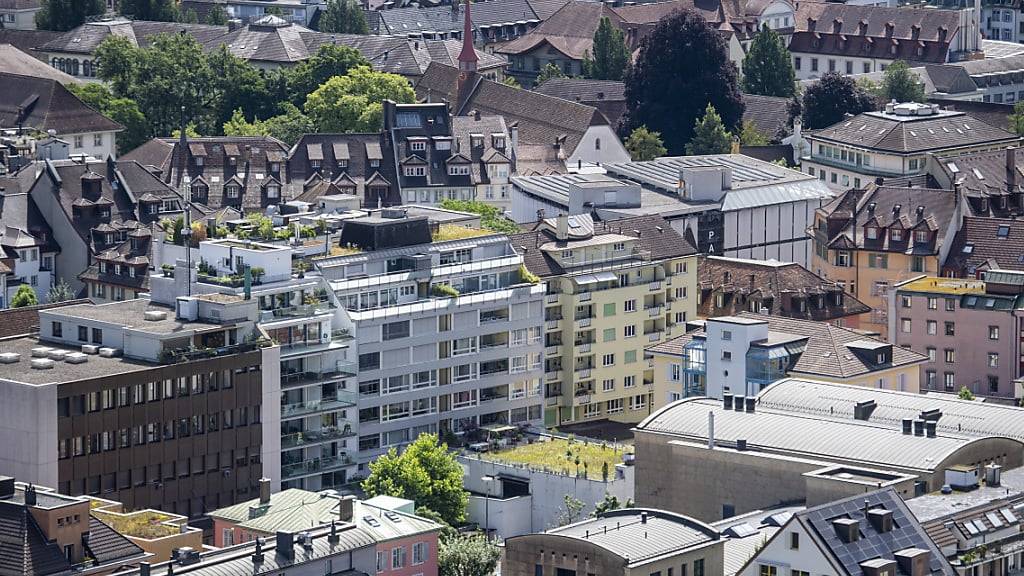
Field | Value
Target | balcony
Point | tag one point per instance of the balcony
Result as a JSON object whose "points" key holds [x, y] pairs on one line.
{"points": [[653, 336], [553, 350], [551, 298], [339, 371], [315, 466], [553, 375], [583, 348], [654, 311], [585, 296], [582, 373], [193, 354], [583, 322], [551, 324], [654, 286], [311, 437], [334, 402], [302, 310]]}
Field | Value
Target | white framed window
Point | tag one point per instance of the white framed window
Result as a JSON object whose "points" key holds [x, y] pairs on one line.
{"points": [[398, 557], [629, 381], [629, 330], [97, 139], [608, 360], [79, 142], [629, 305], [591, 410], [608, 384], [613, 406], [228, 535], [419, 553], [638, 402]]}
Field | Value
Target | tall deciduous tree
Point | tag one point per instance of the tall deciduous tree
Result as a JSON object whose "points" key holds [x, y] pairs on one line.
{"points": [[343, 17], [709, 135], [62, 15], [682, 67], [330, 60], [237, 85], [425, 472], [466, 556], [767, 67], [118, 57], [352, 103], [156, 10], [827, 101], [901, 85], [611, 55], [124, 111], [643, 144], [1017, 119], [288, 126]]}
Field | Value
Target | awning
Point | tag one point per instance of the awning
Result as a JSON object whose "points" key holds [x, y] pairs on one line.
{"points": [[584, 279], [498, 428]]}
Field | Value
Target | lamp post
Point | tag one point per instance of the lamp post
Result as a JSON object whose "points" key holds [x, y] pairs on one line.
{"points": [[487, 480]]}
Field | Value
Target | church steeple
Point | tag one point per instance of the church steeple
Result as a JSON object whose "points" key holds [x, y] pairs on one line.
{"points": [[467, 58]]}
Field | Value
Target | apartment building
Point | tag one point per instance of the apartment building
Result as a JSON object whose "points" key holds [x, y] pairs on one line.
{"points": [[448, 325], [612, 289], [317, 365], [167, 408], [935, 316], [868, 240]]}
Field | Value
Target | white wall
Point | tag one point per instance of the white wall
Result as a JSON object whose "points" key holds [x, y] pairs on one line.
{"points": [[611, 149], [19, 19], [270, 450], [28, 431], [107, 146], [777, 552], [732, 372], [74, 255]]}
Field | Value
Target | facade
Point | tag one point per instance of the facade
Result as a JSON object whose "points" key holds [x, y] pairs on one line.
{"points": [[300, 12], [868, 240], [726, 205], [935, 316], [983, 245], [448, 326], [742, 355], [873, 533], [155, 407], [988, 181], [19, 14], [359, 166], [612, 289], [626, 542]]}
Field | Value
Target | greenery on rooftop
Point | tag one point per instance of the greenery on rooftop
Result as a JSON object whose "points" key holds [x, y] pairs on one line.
{"points": [[148, 524], [446, 232], [591, 459], [491, 217]]}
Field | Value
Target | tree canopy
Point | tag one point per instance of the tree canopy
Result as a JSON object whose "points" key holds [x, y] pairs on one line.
{"points": [[830, 98], [124, 111], [425, 472], [155, 10], [329, 61], [1017, 118], [343, 17], [900, 84], [682, 67], [466, 556], [25, 296], [709, 135], [611, 55], [216, 15], [548, 72], [63, 15], [767, 67], [353, 103], [288, 126], [643, 144]]}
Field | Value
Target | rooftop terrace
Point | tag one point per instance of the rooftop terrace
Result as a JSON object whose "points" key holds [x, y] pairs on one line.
{"points": [[951, 286], [567, 457]]}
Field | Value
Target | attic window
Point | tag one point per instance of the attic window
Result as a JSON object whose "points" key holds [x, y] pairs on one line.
{"points": [[871, 233], [199, 160], [232, 191], [921, 236], [458, 170], [418, 145], [273, 191], [232, 160], [896, 235], [1003, 231]]}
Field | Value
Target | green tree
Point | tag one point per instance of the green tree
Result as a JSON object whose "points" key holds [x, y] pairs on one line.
{"points": [[570, 510], [217, 16], [446, 530], [709, 135], [63, 15], [330, 60], [343, 17], [901, 85], [188, 17], [610, 503], [1017, 118], [117, 56], [511, 81], [490, 217], [352, 103], [60, 292], [124, 111], [236, 85], [828, 100], [25, 296], [611, 55], [426, 472], [155, 10], [751, 136], [466, 556], [287, 127], [643, 144], [767, 67], [548, 72], [274, 11], [964, 394]]}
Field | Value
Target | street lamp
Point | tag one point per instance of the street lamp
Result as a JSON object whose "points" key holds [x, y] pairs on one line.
{"points": [[487, 480]]}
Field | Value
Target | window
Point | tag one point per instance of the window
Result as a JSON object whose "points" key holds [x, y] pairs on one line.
{"points": [[419, 553], [932, 327], [949, 379], [97, 336], [628, 381], [609, 335], [993, 360], [79, 142], [398, 557], [608, 385], [83, 334], [933, 303], [993, 332], [698, 567], [613, 406], [950, 355], [794, 540], [395, 330], [608, 360], [57, 329], [381, 562], [638, 402], [629, 305], [814, 64], [609, 309], [905, 325], [629, 357], [726, 334], [931, 353], [766, 570], [905, 301], [629, 330], [950, 304], [950, 329]]}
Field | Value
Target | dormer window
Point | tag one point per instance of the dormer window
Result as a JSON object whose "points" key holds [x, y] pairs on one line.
{"points": [[476, 141], [117, 269], [273, 191], [153, 209], [415, 171], [342, 163], [104, 212], [275, 166], [458, 170], [418, 145], [871, 233], [314, 164], [896, 235], [103, 267], [921, 236], [232, 160], [498, 142], [200, 160], [232, 191], [374, 163], [109, 238], [131, 271], [198, 191]]}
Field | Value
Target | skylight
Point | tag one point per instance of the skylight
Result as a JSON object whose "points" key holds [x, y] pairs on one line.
{"points": [[1003, 231], [968, 248]]}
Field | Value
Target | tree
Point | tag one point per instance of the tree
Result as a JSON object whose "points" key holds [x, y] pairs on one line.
{"points": [[767, 67], [611, 55], [60, 292], [902, 85], [709, 135], [570, 510], [25, 296], [548, 72], [643, 144], [155, 10], [188, 17], [343, 17], [466, 556], [964, 394], [330, 60], [511, 81], [216, 16], [682, 67], [751, 136], [1017, 118], [287, 127], [63, 15], [610, 503], [490, 217], [426, 472], [236, 85], [124, 111], [829, 99], [117, 56], [352, 103]]}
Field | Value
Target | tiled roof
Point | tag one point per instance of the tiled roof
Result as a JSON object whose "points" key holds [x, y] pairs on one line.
{"points": [[985, 181], [583, 90], [20, 4], [26, 40], [987, 244], [949, 79], [45, 104], [85, 38], [449, 19], [769, 114], [25, 548], [570, 30], [886, 132], [106, 545], [14, 61], [333, 178]]}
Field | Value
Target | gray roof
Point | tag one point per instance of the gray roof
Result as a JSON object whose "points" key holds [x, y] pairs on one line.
{"points": [[445, 19], [583, 90], [639, 535], [961, 417], [805, 436], [14, 61], [913, 134], [769, 114]]}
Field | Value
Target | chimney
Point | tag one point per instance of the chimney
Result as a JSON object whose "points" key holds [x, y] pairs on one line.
{"points": [[914, 561], [837, 25], [847, 529], [562, 230], [264, 490], [942, 33], [993, 474], [918, 427], [908, 426], [915, 31], [880, 519], [862, 27], [863, 410], [257, 556], [30, 495], [727, 400], [920, 212], [1011, 169], [738, 403], [144, 569], [333, 537], [930, 428], [889, 28], [751, 403], [92, 185], [285, 545], [346, 508], [643, 517], [711, 430]]}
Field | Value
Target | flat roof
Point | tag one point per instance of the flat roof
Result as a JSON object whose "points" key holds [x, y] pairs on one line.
{"points": [[131, 314], [738, 320], [936, 504], [95, 367], [950, 286]]}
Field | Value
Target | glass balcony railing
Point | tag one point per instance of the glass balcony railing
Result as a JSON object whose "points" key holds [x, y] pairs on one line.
{"points": [[334, 372], [303, 310], [316, 436], [336, 401], [315, 466]]}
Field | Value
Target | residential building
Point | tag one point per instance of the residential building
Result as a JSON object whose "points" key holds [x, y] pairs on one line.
{"points": [[301, 12], [742, 355], [608, 96], [895, 143], [14, 61], [714, 447], [989, 182], [625, 542], [343, 164], [448, 328], [404, 543], [154, 407], [935, 316], [45, 104], [19, 14], [51, 534], [612, 289], [868, 240], [857, 39], [494, 21], [726, 205], [983, 245], [729, 286], [873, 533], [549, 134], [768, 114]]}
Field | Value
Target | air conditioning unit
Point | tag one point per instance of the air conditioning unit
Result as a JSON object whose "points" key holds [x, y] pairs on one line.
{"points": [[76, 358], [110, 352], [41, 352], [42, 363], [9, 358], [57, 354], [90, 349]]}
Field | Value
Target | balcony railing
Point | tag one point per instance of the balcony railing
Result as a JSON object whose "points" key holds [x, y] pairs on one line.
{"points": [[583, 348], [654, 286], [336, 401], [316, 436], [653, 336], [303, 310], [653, 311], [552, 324], [337, 371], [553, 374], [551, 298], [585, 296], [583, 373], [315, 466], [552, 350], [583, 322], [193, 354]]}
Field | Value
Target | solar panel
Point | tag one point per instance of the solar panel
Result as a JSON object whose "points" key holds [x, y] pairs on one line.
{"points": [[742, 530]]}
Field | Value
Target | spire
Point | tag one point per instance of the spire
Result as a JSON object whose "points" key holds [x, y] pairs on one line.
{"points": [[468, 57]]}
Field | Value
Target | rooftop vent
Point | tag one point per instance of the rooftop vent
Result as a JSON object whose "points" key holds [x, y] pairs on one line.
{"points": [[863, 410], [962, 477], [185, 556], [993, 474], [41, 352], [42, 363], [90, 349], [154, 315], [878, 567], [10, 358], [57, 354], [76, 358], [914, 561], [110, 352]]}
